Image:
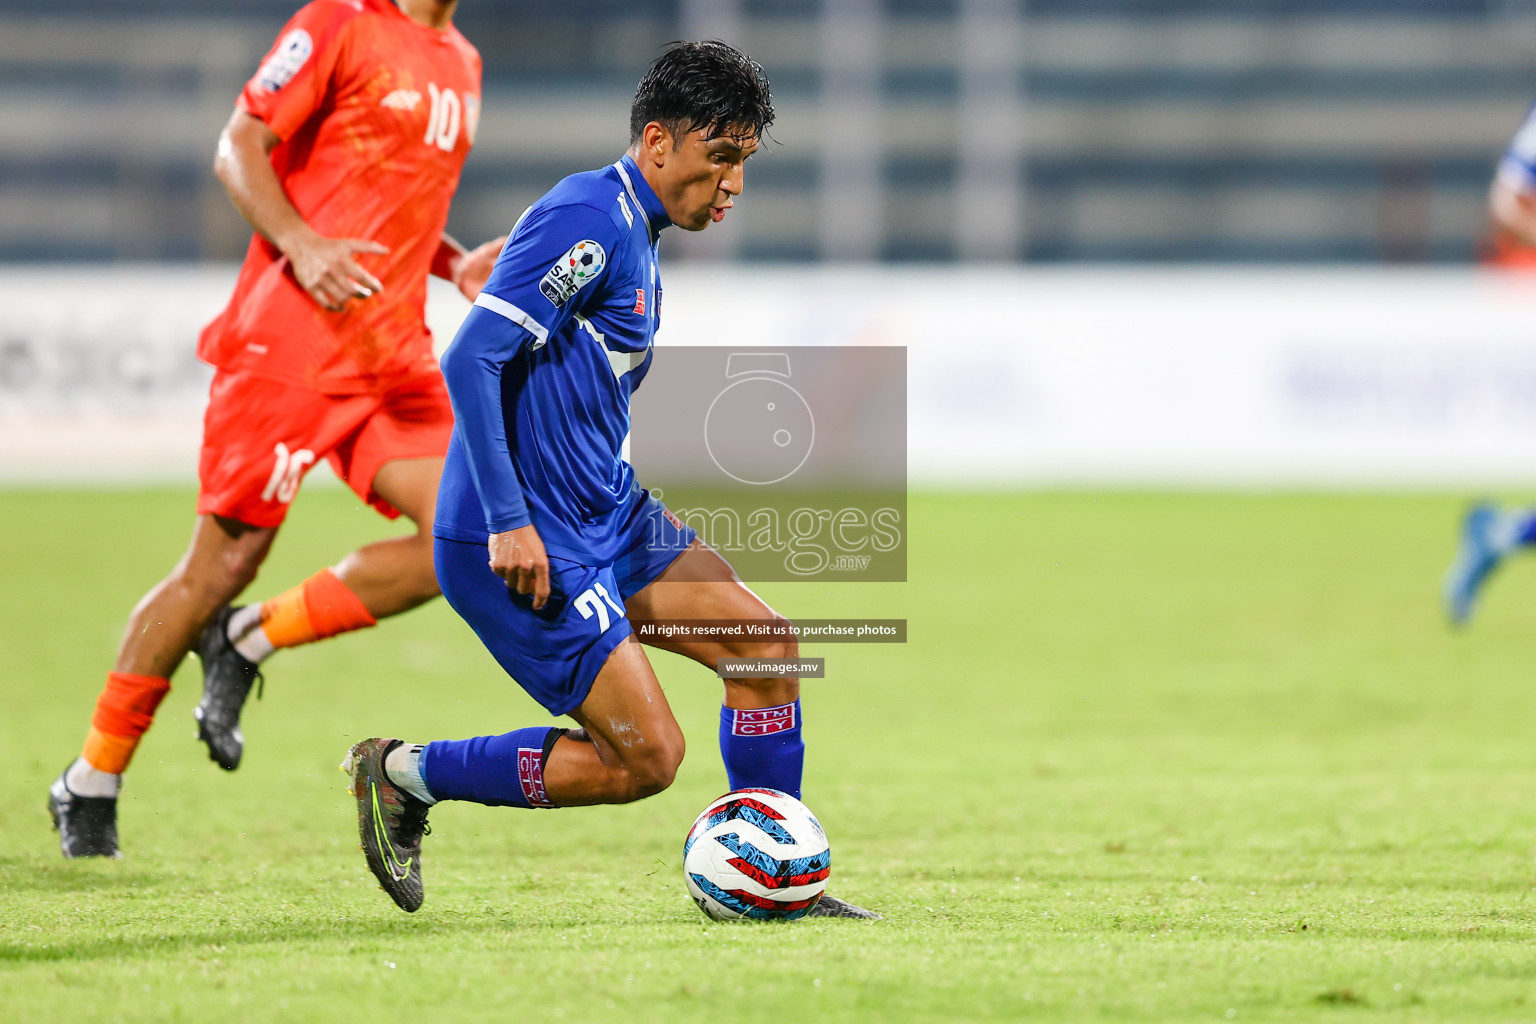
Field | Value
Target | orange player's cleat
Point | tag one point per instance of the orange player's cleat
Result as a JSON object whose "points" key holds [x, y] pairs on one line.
{"points": [[227, 679], [87, 825]]}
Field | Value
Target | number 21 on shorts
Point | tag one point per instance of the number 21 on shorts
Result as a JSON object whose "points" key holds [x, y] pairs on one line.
{"points": [[588, 603]]}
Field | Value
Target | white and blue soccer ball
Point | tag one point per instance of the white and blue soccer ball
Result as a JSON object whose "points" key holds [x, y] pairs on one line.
{"points": [[756, 854]]}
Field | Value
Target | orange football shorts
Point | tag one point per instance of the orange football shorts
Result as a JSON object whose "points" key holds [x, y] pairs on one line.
{"points": [[260, 437]]}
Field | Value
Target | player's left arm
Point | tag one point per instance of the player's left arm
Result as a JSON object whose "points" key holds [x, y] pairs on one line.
{"points": [[468, 269]]}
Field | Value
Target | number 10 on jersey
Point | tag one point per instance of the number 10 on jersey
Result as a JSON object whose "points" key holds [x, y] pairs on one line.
{"points": [[445, 120]]}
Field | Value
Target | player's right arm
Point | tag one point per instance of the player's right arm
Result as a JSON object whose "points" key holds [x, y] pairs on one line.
{"points": [[1512, 198], [472, 368], [324, 267], [527, 299], [290, 89]]}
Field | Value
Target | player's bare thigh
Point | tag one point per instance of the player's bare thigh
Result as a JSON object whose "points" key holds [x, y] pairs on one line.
{"points": [[410, 485], [702, 585], [629, 746]]}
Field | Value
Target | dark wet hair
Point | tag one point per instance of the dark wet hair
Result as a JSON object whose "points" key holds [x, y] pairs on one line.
{"points": [[706, 85]]}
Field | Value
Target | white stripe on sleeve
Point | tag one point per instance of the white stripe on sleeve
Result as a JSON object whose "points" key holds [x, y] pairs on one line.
{"points": [[485, 300]]}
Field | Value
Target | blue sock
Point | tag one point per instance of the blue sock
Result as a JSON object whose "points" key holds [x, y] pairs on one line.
{"points": [[500, 771], [762, 748]]}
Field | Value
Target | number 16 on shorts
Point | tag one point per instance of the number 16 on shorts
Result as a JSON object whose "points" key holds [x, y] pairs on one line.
{"points": [[287, 472], [595, 601]]}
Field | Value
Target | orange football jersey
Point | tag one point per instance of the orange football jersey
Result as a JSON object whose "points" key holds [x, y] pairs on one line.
{"points": [[376, 114]]}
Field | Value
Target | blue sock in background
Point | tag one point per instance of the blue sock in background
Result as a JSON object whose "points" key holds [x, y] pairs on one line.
{"points": [[762, 747], [499, 771]]}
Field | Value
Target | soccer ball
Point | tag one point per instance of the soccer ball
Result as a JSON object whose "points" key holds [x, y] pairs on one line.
{"points": [[758, 854]]}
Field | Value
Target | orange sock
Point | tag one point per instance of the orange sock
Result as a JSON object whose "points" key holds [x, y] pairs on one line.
{"points": [[319, 607], [124, 711]]}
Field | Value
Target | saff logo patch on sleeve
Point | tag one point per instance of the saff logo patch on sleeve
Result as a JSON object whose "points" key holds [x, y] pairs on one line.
{"points": [[286, 60], [572, 272]]}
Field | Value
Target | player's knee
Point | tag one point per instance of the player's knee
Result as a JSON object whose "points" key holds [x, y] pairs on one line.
{"points": [[238, 569], [216, 581], [783, 646], [654, 769]]}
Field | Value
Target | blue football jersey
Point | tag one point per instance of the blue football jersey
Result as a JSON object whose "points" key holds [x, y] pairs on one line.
{"points": [[541, 372]]}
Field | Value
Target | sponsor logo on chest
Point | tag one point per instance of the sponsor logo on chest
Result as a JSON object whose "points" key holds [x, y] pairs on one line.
{"points": [[401, 99], [437, 114], [449, 115]]}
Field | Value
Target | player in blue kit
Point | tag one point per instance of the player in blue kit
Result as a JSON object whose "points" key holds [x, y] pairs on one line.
{"points": [[546, 544], [1490, 534]]}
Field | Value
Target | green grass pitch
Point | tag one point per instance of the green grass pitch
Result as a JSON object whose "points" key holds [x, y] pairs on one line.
{"points": [[1179, 757]]}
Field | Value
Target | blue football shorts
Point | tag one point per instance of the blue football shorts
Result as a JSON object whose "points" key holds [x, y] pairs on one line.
{"points": [[555, 653]]}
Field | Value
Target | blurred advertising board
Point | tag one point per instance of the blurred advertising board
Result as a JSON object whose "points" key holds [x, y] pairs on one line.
{"points": [[1035, 377]]}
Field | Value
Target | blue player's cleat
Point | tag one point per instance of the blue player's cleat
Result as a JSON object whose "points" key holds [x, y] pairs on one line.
{"points": [[390, 823], [831, 906], [1479, 554]]}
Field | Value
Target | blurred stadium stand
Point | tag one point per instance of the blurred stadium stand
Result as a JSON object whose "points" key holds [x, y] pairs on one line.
{"points": [[1175, 130]]}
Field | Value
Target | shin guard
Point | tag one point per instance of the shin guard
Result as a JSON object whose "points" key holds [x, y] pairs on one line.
{"points": [[124, 712]]}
